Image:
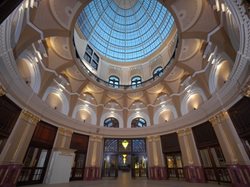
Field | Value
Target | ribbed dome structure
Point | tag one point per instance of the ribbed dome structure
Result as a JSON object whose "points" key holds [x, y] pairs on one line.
{"points": [[125, 30]]}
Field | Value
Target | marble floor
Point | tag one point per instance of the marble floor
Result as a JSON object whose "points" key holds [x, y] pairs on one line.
{"points": [[124, 180]]}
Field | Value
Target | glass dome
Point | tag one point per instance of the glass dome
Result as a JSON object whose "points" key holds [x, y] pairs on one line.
{"points": [[125, 30]]}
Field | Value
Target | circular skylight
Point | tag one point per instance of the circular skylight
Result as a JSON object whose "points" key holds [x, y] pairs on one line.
{"points": [[125, 30]]}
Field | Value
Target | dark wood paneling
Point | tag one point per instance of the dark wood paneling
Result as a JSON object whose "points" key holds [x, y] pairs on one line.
{"points": [[6, 7], [170, 143], [204, 135], [9, 113], [44, 135], [240, 115], [79, 142]]}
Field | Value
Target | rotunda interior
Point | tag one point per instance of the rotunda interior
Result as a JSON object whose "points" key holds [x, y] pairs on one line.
{"points": [[93, 88]]}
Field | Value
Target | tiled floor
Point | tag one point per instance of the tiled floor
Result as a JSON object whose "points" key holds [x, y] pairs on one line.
{"points": [[125, 181]]}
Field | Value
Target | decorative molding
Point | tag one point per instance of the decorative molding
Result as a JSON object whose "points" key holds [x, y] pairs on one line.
{"points": [[96, 138], [28, 116], [219, 118], [184, 132], [65, 132]]}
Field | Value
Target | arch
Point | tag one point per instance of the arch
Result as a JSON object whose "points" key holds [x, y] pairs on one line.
{"points": [[190, 95], [136, 81], [158, 71], [219, 74], [159, 114], [139, 103], [138, 114], [84, 107], [114, 81], [62, 97], [138, 122], [113, 114], [111, 122], [29, 70]]}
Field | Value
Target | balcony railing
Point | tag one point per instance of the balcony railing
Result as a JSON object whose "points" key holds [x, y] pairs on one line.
{"points": [[128, 86]]}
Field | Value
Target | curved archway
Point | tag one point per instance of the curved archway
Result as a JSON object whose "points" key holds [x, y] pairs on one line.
{"points": [[109, 114], [192, 100], [64, 100], [111, 122], [85, 113], [168, 112], [138, 114], [29, 71], [138, 122], [219, 74]]}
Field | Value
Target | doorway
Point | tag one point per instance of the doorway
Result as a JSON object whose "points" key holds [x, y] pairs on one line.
{"points": [[124, 155], [38, 154], [174, 165], [214, 164], [35, 165]]}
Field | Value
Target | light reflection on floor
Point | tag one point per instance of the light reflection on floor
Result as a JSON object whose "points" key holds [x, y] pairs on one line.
{"points": [[124, 180]]}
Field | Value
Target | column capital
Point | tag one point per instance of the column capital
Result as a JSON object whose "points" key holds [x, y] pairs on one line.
{"points": [[218, 118], [2, 91], [65, 131], [246, 90], [28, 116], [184, 132], [95, 138]]}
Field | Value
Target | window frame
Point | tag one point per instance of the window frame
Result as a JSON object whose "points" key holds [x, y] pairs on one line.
{"points": [[106, 122], [114, 83], [135, 82]]}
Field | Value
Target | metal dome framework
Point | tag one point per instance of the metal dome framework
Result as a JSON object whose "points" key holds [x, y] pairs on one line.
{"points": [[125, 33]]}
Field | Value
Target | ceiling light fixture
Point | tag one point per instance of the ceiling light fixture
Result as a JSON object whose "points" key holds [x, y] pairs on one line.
{"points": [[125, 144]]}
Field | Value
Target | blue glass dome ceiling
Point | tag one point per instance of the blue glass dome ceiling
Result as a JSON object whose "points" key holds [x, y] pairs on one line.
{"points": [[125, 30]]}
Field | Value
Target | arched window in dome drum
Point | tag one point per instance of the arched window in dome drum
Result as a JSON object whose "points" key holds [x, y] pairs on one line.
{"points": [[114, 81], [158, 72], [136, 81], [138, 122], [111, 122]]}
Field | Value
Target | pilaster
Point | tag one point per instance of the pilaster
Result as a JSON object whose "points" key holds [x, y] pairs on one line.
{"points": [[94, 158], [236, 157], [192, 166], [16, 146], [157, 169]]}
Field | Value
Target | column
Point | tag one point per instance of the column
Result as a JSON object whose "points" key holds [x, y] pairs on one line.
{"points": [[15, 148], [191, 161], [156, 165], [236, 157], [94, 158], [62, 158]]}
